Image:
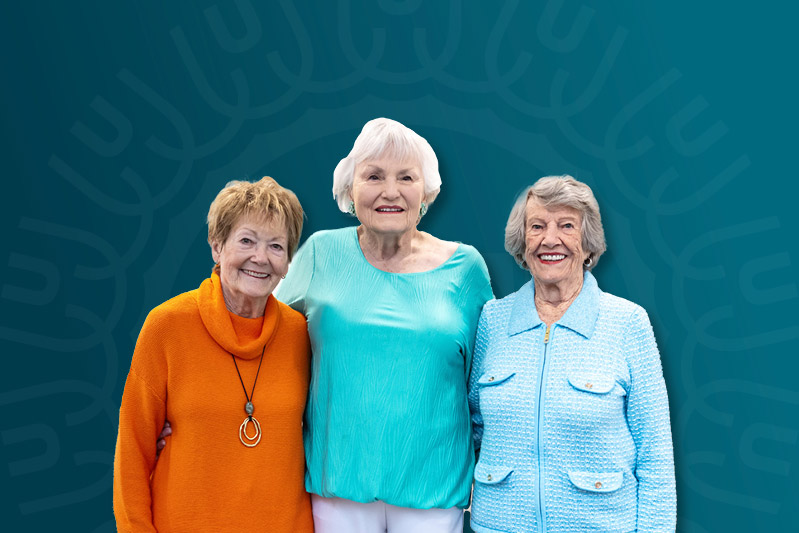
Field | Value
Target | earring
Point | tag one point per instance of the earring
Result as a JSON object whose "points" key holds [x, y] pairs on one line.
{"points": [[588, 262], [423, 210], [351, 209]]}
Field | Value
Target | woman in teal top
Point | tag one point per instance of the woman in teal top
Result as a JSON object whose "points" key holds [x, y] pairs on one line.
{"points": [[392, 314]]}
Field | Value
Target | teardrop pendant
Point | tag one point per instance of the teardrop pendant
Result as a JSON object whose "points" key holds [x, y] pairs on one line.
{"points": [[247, 440]]}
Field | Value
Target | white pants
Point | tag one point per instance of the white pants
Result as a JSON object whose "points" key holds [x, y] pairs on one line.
{"points": [[337, 515]]}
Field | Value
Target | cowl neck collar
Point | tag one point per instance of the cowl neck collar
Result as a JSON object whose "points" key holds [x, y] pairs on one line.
{"points": [[216, 319]]}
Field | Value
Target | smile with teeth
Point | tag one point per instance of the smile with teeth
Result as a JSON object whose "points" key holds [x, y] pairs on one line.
{"points": [[389, 210], [552, 257], [254, 274]]}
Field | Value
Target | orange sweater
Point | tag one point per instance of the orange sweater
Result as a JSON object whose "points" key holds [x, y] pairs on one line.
{"points": [[206, 479]]}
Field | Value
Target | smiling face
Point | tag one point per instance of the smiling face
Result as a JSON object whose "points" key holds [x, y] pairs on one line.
{"points": [[388, 194], [553, 244], [252, 261]]}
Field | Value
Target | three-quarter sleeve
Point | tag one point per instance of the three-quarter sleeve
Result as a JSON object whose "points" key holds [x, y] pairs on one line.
{"points": [[141, 419], [292, 290], [648, 420]]}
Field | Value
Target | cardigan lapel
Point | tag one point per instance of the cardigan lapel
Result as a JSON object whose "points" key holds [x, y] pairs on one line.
{"points": [[581, 316]]}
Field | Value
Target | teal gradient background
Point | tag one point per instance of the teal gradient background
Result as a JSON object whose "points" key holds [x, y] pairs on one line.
{"points": [[121, 122]]}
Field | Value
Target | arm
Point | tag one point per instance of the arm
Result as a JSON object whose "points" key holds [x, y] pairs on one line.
{"points": [[474, 391], [475, 291], [141, 417], [648, 419]]}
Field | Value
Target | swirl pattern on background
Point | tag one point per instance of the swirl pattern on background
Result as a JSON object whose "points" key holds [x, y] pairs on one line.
{"points": [[127, 120]]}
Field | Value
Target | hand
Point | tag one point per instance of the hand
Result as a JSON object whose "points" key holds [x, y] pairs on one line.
{"points": [[165, 432]]}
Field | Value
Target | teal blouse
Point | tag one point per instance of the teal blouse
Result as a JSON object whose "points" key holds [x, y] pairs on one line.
{"points": [[387, 417]]}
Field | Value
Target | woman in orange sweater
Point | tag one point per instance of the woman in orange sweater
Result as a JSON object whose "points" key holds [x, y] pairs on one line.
{"points": [[227, 364]]}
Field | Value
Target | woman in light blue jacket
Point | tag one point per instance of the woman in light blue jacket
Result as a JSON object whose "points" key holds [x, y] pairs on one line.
{"points": [[567, 395]]}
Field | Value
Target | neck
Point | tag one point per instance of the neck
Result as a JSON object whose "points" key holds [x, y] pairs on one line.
{"points": [[386, 247], [244, 307], [553, 299]]}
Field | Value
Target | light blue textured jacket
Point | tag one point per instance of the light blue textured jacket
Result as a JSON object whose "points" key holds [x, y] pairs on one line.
{"points": [[572, 421]]}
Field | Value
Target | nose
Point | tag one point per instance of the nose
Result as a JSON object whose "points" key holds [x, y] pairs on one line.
{"points": [[551, 236], [259, 254], [391, 190]]}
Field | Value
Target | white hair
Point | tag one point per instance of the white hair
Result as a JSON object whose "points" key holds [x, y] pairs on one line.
{"points": [[385, 137]]}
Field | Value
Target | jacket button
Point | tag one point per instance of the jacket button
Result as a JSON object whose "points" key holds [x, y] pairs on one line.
{"points": [[488, 477], [491, 379], [589, 385], [598, 484]]}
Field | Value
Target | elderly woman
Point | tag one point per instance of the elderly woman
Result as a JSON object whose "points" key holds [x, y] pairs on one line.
{"points": [[566, 391], [392, 313], [235, 461]]}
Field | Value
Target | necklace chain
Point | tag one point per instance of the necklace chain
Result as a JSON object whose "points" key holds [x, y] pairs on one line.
{"points": [[252, 393], [244, 437]]}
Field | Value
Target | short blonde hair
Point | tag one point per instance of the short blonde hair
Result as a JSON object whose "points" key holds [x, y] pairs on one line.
{"points": [[386, 137], [557, 191], [263, 198]]}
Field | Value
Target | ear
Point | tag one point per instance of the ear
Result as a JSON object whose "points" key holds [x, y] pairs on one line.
{"points": [[216, 251]]}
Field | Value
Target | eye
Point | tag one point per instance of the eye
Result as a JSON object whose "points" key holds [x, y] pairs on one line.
{"points": [[568, 225], [406, 178], [245, 240], [277, 246], [536, 227], [372, 177]]}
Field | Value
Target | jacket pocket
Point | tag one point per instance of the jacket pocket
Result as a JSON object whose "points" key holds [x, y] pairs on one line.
{"points": [[491, 474], [494, 496], [492, 379], [593, 383], [596, 481]]}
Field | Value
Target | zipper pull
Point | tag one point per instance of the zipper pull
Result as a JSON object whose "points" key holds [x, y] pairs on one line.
{"points": [[546, 336]]}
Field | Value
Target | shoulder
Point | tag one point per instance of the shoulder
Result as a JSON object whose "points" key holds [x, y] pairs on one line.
{"points": [[331, 237], [292, 334], [625, 313], [181, 307], [290, 317], [617, 305], [169, 325], [463, 255], [502, 307], [470, 253], [433, 252], [473, 261], [469, 271]]}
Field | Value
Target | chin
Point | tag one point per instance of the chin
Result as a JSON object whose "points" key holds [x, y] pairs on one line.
{"points": [[261, 291]]}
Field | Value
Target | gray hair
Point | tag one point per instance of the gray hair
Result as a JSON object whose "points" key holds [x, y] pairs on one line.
{"points": [[557, 191], [386, 137]]}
